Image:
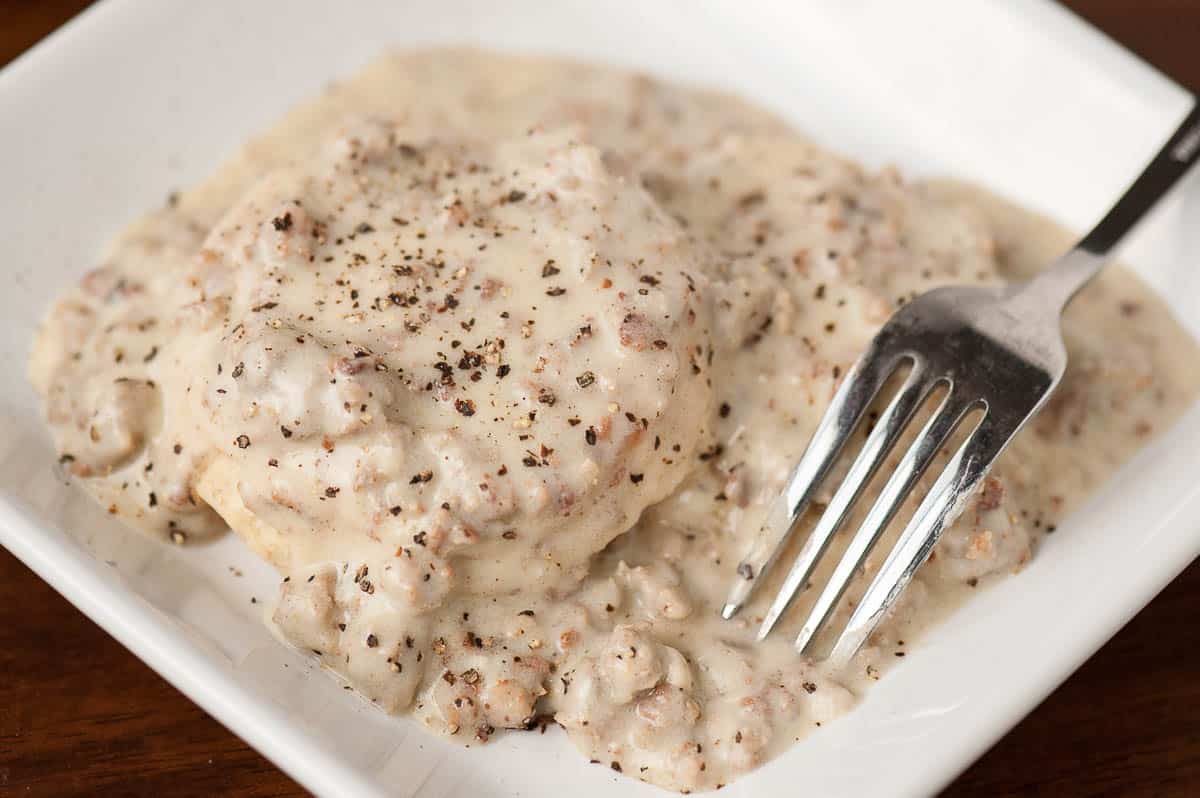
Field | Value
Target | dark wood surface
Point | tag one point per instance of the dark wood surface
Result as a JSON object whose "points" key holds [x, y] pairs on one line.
{"points": [[81, 716]]}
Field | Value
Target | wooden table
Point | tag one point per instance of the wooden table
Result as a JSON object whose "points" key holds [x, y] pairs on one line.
{"points": [[79, 715]]}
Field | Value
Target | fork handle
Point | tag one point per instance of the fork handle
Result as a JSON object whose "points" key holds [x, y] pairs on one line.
{"points": [[1073, 270]]}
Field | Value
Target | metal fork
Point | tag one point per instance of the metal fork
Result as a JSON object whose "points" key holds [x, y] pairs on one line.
{"points": [[998, 354]]}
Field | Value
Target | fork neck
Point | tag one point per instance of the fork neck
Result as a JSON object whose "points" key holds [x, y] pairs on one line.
{"points": [[1059, 284], [1053, 289]]}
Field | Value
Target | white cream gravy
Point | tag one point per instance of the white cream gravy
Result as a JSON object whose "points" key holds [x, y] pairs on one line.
{"points": [[499, 360]]}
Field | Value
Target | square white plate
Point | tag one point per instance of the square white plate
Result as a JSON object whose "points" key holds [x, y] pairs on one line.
{"points": [[137, 97]]}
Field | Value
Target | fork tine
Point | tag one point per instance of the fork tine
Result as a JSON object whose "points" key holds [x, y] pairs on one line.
{"points": [[910, 468], [946, 499], [887, 430], [850, 402]]}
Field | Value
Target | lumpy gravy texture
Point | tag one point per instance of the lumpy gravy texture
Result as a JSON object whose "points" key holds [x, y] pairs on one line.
{"points": [[499, 361]]}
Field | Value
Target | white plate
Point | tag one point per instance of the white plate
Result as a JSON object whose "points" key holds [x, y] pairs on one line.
{"points": [[140, 96]]}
